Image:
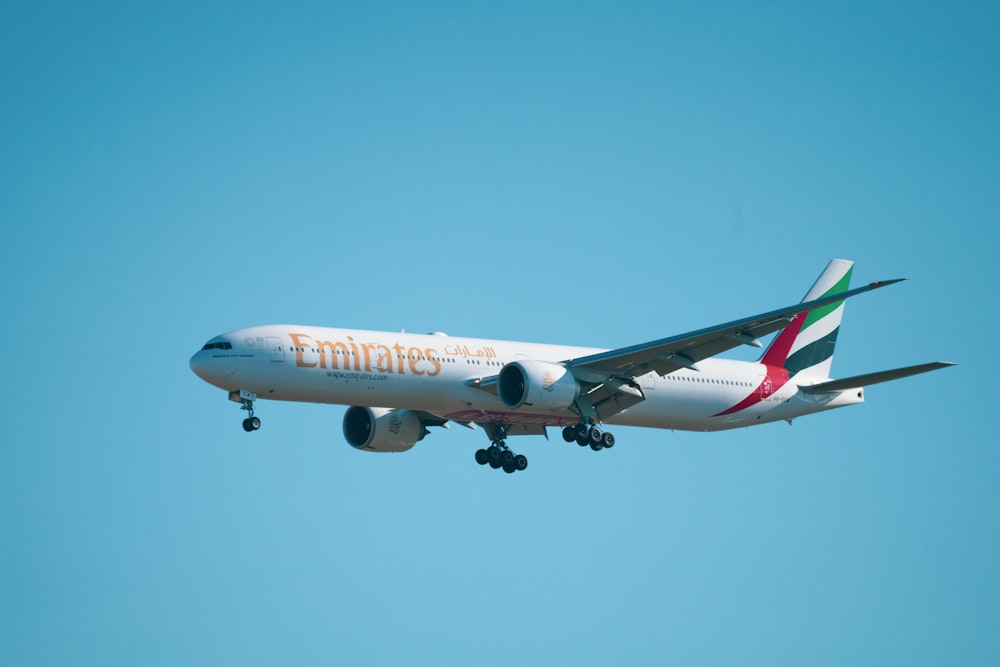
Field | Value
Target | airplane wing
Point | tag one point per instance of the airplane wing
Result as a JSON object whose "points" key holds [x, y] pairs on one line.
{"points": [[684, 351], [609, 378]]}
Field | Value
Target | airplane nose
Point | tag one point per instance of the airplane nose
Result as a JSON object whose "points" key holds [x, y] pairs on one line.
{"points": [[199, 366]]}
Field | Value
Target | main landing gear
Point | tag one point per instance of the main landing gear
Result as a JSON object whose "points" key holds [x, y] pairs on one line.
{"points": [[584, 435], [245, 399], [498, 454]]}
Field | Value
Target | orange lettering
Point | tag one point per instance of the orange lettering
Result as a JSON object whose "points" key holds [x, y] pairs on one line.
{"points": [[368, 347], [299, 346], [323, 346], [384, 363], [354, 353], [414, 353], [375, 354], [399, 356], [432, 357]]}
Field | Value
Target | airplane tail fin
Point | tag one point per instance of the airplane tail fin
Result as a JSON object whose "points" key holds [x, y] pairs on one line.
{"points": [[807, 343]]}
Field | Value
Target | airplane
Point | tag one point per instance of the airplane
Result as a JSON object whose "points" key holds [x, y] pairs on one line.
{"points": [[398, 384]]}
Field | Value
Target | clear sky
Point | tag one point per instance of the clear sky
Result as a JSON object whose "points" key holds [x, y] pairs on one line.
{"points": [[578, 172]]}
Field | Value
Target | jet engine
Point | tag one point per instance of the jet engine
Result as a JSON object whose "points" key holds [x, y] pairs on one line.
{"points": [[382, 429], [538, 385]]}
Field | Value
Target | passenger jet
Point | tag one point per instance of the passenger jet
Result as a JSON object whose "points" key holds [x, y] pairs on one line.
{"points": [[398, 384]]}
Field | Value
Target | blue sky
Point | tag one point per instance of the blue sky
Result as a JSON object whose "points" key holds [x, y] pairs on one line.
{"points": [[587, 173]]}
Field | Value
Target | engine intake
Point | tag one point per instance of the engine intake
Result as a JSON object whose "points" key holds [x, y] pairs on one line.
{"points": [[538, 385], [382, 429]]}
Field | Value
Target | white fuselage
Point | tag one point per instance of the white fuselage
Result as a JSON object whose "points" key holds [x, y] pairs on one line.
{"points": [[436, 373]]}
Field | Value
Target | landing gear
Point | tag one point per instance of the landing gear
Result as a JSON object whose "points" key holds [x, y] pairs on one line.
{"points": [[584, 435], [498, 454], [245, 399]]}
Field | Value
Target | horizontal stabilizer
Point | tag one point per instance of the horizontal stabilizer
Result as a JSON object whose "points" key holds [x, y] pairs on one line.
{"points": [[872, 378]]}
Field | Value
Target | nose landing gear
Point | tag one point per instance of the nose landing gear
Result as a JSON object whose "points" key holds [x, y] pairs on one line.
{"points": [[245, 399]]}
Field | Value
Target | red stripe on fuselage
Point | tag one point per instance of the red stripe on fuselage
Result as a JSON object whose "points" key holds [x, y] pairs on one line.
{"points": [[773, 360], [775, 379]]}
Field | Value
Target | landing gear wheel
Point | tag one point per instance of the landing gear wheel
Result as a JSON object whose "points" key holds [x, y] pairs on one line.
{"points": [[596, 446], [608, 441], [594, 436], [493, 456], [569, 434], [246, 399], [498, 454]]}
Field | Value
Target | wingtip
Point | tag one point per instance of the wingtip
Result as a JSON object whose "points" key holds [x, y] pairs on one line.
{"points": [[886, 283]]}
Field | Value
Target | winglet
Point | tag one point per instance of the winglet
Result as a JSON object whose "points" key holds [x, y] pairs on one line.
{"points": [[885, 283]]}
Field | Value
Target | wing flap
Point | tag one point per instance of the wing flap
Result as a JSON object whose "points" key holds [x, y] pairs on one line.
{"points": [[612, 397], [872, 378]]}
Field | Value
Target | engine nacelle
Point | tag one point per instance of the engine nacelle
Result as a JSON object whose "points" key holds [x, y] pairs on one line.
{"points": [[382, 429], [538, 385]]}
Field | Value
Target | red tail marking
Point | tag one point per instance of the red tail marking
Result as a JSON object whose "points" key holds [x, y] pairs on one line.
{"points": [[777, 353]]}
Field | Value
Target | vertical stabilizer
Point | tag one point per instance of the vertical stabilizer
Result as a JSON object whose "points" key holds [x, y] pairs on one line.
{"points": [[807, 343]]}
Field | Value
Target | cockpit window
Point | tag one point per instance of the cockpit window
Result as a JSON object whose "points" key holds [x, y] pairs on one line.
{"points": [[218, 346]]}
